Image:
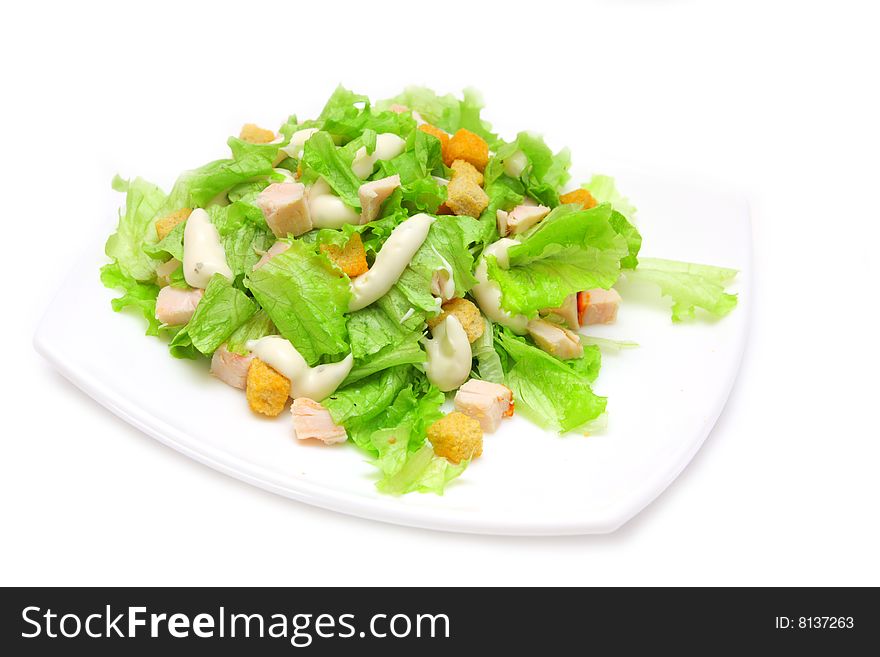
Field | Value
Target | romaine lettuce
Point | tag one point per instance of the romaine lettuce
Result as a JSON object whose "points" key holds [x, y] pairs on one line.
{"points": [[222, 309]]}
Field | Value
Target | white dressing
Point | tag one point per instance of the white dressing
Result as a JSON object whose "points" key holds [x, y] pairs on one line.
{"points": [[443, 280], [388, 146], [449, 355], [488, 294], [328, 210], [392, 259], [515, 164], [297, 141], [203, 254], [316, 383], [288, 176]]}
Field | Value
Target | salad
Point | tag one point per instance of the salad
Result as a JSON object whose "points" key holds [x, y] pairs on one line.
{"points": [[362, 266]]}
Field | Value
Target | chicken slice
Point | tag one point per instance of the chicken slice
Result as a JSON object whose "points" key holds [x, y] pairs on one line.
{"points": [[488, 403], [175, 306], [555, 340], [286, 209], [231, 368], [373, 195], [311, 420]]}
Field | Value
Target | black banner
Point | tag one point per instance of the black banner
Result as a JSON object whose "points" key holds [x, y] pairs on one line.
{"points": [[321, 621]]}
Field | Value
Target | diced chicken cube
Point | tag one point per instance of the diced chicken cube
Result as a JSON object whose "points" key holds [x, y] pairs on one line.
{"points": [[373, 195], [397, 108], [555, 340], [164, 271], [567, 312], [175, 306], [600, 306], [488, 403], [276, 249], [520, 219], [286, 209], [311, 420], [231, 368]]}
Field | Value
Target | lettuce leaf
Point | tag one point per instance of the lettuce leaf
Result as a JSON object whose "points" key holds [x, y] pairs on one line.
{"points": [[137, 294], [258, 326], [322, 157], [422, 472], [143, 200], [552, 393], [170, 245], [384, 324], [604, 190], [306, 299], [221, 311], [244, 233], [544, 175], [489, 366], [632, 236], [357, 403], [689, 286], [197, 187], [406, 352], [571, 250]]}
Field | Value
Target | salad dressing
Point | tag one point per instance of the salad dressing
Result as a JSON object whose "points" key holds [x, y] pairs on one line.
{"points": [[488, 294], [203, 253], [392, 259], [316, 383], [297, 141], [449, 355], [328, 210], [388, 146], [515, 164]]}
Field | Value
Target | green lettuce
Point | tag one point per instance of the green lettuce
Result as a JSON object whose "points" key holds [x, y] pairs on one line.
{"points": [[244, 234], [222, 309], [306, 299], [552, 393], [137, 294], [489, 366], [258, 326], [143, 201], [408, 351], [689, 286], [170, 245], [604, 190], [197, 187], [632, 236], [422, 472], [571, 250], [323, 158], [544, 175]]}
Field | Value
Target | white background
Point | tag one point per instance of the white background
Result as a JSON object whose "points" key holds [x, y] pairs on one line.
{"points": [[776, 100]]}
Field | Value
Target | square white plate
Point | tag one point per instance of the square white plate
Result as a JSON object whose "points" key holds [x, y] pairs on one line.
{"points": [[663, 398]]}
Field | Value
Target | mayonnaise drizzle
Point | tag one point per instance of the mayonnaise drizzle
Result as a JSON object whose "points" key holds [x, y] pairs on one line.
{"points": [[328, 210], [392, 259], [203, 254], [388, 146], [449, 355], [488, 294], [297, 142], [315, 383]]}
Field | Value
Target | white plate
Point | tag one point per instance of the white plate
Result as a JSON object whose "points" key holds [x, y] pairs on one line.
{"points": [[663, 398]]}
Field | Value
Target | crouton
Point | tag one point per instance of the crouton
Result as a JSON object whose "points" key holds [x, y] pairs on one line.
{"points": [[175, 306], [285, 208], [444, 209], [464, 169], [231, 368], [456, 437], [465, 145], [467, 314], [556, 340], [352, 258], [488, 403], [311, 420], [599, 306], [580, 196], [166, 224], [267, 390], [254, 134], [465, 197], [439, 134]]}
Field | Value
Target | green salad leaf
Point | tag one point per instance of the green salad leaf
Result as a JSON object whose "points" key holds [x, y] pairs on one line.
{"points": [[604, 190], [689, 285], [137, 294], [143, 200], [222, 309]]}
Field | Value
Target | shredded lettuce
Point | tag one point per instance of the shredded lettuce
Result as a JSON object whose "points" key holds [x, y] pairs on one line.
{"points": [[137, 294], [571, 250], [552, 393], [143, 201], [689, 286], [306, 299], [222, 309]]}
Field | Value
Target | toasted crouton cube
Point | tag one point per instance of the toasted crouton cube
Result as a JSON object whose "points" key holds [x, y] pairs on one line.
{"points": [[352, 258], [581, 196], [465, 145], [254, 134], [464, 169], [465, 197], [467, 314], [439, 134], [166, 224], [488, 403], [267, 390], [456, 437]]}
